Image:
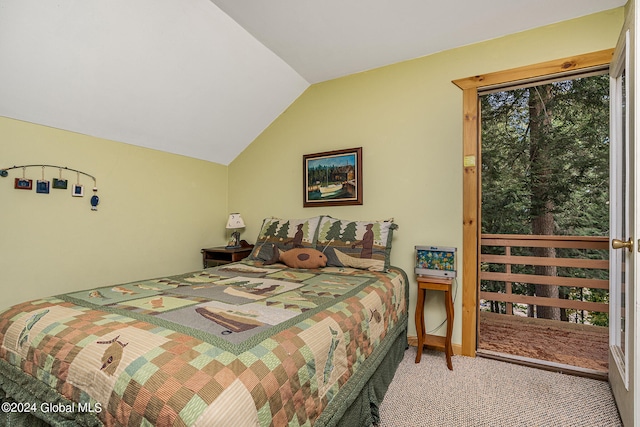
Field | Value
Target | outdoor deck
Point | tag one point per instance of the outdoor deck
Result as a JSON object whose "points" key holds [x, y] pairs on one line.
{"points": [[559, 343], [562, 346]]}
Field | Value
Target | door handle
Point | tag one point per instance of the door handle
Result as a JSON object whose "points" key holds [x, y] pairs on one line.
{"points": [[619, 244]]}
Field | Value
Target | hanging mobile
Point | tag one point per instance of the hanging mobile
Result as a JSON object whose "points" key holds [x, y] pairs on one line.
{"points": [[44, 186], [95, 199]]}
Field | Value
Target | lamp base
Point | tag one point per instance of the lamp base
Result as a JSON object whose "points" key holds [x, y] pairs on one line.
{"points": [[235, 238]]}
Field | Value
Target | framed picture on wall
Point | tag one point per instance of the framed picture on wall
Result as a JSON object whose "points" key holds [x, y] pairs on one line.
{"points": [[42, 186], [332, 178], [77, 190], [23, 184], [60, 183]]}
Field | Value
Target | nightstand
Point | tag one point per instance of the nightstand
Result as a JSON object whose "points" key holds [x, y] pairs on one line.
{"points": [[434, 284], [212, 257]]}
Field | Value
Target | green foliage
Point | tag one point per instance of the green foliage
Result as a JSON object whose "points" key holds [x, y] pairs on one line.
{"points": [[564, 168]]}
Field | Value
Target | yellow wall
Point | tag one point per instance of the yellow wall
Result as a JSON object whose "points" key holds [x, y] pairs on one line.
{"points": [[156, 212], [408, 119]]}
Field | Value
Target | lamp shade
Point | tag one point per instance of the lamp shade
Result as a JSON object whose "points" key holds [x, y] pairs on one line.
{"points": [[235, 221]]}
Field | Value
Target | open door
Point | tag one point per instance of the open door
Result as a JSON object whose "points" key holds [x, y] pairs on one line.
{"points": [[625, 223]]}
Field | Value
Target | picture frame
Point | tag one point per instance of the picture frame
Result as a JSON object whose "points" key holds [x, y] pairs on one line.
{"points": [[60, 183], [77, 190], [332, 178], [23, 184], [42, 186]]}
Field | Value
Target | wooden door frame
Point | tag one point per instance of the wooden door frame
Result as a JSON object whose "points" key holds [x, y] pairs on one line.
{"points": [[471, 176]]}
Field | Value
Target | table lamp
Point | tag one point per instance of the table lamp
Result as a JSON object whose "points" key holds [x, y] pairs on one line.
{"points": [[235, 222]]}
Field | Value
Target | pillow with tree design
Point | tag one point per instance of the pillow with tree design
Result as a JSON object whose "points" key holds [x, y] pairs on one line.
{"points": [[358, 244], [285, 234]]}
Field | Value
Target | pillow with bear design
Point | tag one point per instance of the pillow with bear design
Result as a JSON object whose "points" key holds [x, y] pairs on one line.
{"points": [[285, 234], [358, 244]]}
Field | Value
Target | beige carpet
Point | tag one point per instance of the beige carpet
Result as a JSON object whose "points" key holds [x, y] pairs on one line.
{"points": [[484, 392]]}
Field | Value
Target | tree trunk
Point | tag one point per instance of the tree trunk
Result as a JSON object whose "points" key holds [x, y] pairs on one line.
{"points": [[542, 220], [544, 225]]}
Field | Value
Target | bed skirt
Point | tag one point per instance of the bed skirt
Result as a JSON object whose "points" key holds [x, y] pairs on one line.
{"points": [[365, 409]]}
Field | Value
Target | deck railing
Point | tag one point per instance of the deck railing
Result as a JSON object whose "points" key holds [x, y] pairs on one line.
{"points": [[504, 262]]}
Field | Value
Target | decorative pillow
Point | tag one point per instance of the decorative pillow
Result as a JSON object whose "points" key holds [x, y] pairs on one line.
{"points": [[285, 234], [299, 258], [357, 244]]}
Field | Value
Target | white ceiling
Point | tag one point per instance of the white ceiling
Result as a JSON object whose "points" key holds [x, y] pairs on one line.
{"points": [[203, 78], [326, 39]]}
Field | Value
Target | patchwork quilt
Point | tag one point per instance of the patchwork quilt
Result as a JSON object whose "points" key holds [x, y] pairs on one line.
{"points": [[236, 345]]}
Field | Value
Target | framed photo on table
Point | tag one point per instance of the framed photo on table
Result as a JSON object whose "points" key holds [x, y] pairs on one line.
{"points": [[332, 178]]}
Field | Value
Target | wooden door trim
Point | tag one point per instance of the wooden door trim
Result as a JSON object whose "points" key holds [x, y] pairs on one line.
{"points": [[471, 171]]}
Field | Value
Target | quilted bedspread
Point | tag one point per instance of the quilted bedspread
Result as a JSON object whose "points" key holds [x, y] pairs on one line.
{"points": [[236, 345]]}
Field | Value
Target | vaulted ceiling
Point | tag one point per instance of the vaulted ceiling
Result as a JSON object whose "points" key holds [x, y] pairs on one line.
{"points": [[203, 78]]}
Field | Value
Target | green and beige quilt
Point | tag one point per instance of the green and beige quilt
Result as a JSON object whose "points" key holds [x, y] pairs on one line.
{"points": [[236, 345]]}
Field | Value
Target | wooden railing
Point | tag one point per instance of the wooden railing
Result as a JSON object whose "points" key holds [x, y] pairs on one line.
{"points": [[510, 241]]}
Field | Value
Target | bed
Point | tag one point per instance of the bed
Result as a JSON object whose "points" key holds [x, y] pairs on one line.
{"points": [[243, 344]]}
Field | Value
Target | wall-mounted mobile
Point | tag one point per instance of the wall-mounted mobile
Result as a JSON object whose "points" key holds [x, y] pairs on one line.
{"points": [[44, 186]]}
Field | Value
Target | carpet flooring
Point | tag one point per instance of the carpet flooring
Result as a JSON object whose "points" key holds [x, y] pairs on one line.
{"points": [[483, 392]]}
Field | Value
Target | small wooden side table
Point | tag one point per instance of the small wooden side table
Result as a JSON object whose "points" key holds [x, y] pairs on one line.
{"points": [[426, 283], [222, 255]]}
